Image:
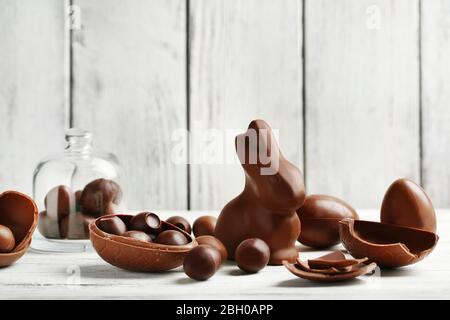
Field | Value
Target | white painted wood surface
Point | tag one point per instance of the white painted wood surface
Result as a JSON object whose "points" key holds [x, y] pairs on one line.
{"points": [[86, 276], [129, 71], [362, 97], [245, 64], [436, 99], [32, 87]]}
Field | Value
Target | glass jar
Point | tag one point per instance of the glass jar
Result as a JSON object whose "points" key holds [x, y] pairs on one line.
{"points": [[72, 189]]}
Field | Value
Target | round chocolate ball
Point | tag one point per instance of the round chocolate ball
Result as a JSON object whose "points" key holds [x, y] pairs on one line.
{"points": [[204, 226], [7, 241], [99, 197], [214, 242], [171, 237], [112, 225], [138, 235], [202, 262], [181, 223], [57, 202], [147, 222], [252, 255]]}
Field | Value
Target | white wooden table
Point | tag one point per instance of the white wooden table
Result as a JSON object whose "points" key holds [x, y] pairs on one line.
{"points": [[87, 276]]}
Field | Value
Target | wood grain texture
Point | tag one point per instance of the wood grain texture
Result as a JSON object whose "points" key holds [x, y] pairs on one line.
{"points": [[362, 97], [435, 100], [245, 64], [32, 87], [129, 62], [87, 276]]}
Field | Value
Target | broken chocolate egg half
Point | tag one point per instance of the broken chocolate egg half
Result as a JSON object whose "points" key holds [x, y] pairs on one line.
{"points": [[136, 255], [19, 213], [406, 233], [332, 267], [319, 219]]}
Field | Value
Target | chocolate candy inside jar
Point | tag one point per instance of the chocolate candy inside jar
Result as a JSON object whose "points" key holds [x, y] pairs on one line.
{"points": [[72, 189]]}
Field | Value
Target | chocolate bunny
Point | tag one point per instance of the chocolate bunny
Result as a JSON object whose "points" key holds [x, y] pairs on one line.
{"points": [[274, 190]]}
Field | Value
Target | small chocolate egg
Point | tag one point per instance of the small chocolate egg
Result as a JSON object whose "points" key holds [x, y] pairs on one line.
{"points": [[202, 262], [214, 242], [180, 222], [100, 197], [171, 237], [406, 204], [7, 241], [138, 235], [58, 202], [252, 255], [147, 222], [112, 225], [204, 226], [319, 218]]}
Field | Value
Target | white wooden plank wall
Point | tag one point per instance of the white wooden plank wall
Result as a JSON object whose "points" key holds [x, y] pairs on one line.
{"points": [[375, 76], [362, 97], [245, 64], [436, 99], [32, 87]]}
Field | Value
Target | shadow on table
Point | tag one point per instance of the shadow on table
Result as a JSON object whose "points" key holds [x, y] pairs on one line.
{"points": [[108, 272], [303, 283], [401, 272]]}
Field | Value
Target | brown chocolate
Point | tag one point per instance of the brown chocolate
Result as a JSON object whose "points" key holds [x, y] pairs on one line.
{"points": [[319, 218], [266, 209], [181, 223], [7, 241], [214, 242], [335, 260], [100, 197], [388, 245], [48, 227], [406, 204], [58, 202], [252, 255], [138, 235], [204, 226], [112, 225], [135, 255], [202, 262], [19, 213], [147, 222], [171, 237]]}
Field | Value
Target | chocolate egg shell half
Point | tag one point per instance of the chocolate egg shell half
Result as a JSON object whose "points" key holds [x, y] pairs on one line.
{"points": [[406, 204], [135, 255], [388, 245], [19, 213], [319, 219]]}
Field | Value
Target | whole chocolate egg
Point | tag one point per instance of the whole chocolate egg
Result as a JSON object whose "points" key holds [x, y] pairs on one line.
{"points": [[319, 220], [202, 262], [406, 204], [7, 241], [100, 197]]}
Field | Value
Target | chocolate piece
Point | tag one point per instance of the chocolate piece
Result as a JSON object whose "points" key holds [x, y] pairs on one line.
{"points": [[388, 245], [202, 262], [319, 219], [136, 255], [204, 226], [138, 235], [100, 197], [274, 190], [214, 242], [252, 255], [298, 270], [58, 202], [180, 222], [334, 260], [19, 213], [7, 241], [406, 204], [171, 237], [112, 225], [48, 227], [146, 222]]}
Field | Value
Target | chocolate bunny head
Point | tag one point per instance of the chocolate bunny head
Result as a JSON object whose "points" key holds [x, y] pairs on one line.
{"points": [[275, 182]]}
